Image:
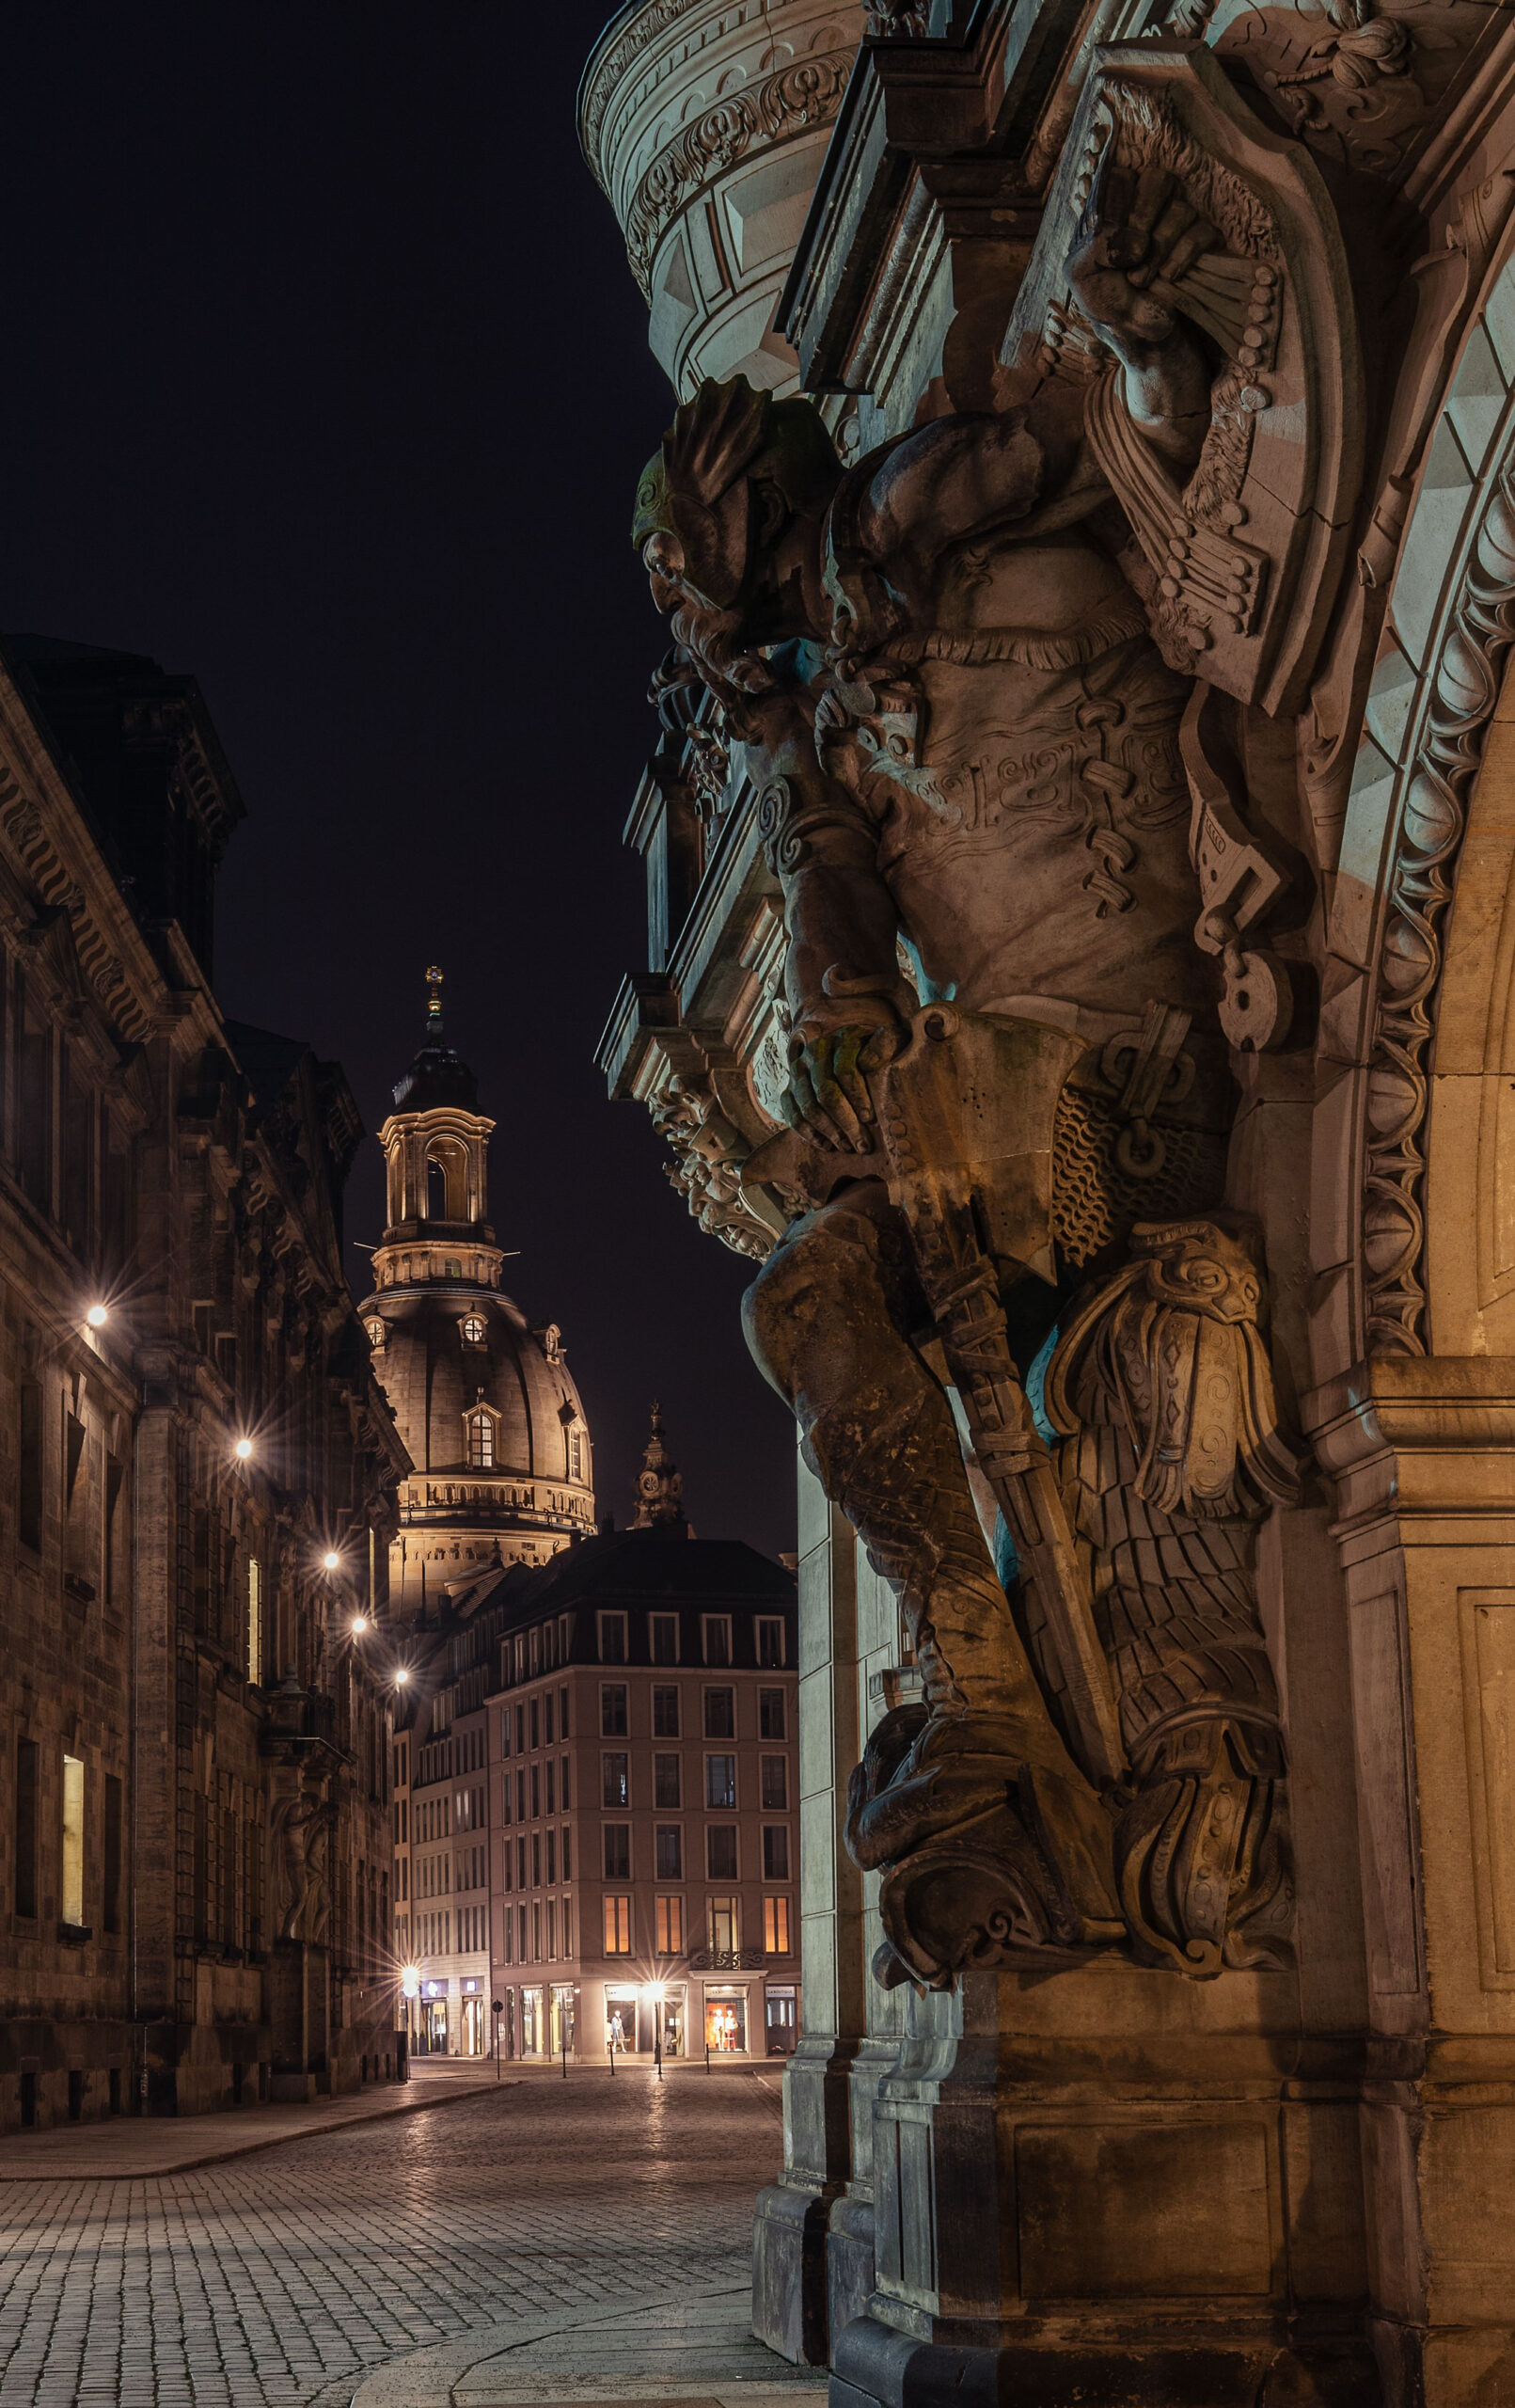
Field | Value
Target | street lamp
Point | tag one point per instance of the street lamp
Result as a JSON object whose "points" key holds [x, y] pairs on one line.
{"points": [[358, 1625], [657, 1991], [331, 1560], [97, 1316], [401, 1675], [242, 1449]]}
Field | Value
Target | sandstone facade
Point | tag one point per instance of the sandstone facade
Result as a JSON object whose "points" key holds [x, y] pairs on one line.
{"points": [[1076, 884]]}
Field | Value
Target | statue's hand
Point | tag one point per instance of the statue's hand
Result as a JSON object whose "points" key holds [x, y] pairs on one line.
{"points": [[1140, 236], [829, 1090]]}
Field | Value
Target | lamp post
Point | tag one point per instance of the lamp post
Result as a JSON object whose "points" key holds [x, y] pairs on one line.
{"points": [[657, 1991]]}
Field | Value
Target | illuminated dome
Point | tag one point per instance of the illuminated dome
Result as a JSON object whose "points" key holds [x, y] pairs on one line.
{"points": [[487, 1404]]}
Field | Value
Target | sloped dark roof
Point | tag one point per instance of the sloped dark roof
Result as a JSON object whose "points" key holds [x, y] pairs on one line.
{"points": [[644, 1567], [437, 1075]]}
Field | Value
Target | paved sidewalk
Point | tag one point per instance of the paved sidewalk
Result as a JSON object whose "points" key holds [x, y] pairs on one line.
{"points": [[547, 2241], [142, 2144]]}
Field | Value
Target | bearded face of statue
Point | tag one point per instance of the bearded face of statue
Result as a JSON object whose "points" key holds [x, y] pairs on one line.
{"points": [[717, 640]]}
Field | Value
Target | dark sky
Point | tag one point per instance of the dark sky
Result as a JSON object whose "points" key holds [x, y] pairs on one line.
{"points": [[323, 376]]}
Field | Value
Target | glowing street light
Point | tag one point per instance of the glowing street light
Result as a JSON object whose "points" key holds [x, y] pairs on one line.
{"points": [[401, 1675], [358, 1625], [410, 1981], [657, 1992], [97, 1316], [242, 1449], [331, 1560]]}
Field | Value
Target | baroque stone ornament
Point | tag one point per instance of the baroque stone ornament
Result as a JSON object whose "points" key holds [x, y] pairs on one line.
{"points": [[960, 682], [1463, 689]]}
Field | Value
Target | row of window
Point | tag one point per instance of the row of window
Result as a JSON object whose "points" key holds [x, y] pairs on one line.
{"points": [[721, 1851], [532, 1852], [720, 1782], [723, 1925], [717, 1712], [715, 1637]]}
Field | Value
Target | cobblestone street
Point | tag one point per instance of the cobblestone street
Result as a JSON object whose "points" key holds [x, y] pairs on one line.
{"points": [[288, 2274]]}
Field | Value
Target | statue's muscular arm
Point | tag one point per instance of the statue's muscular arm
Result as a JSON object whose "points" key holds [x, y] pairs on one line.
{"points": [[848, 1000]]}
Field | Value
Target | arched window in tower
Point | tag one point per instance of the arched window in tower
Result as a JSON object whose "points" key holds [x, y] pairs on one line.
{"points": [[480, 1441], [435, 1191]]}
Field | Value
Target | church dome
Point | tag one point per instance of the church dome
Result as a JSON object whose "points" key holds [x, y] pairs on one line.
{"points": [[473, 1388]]}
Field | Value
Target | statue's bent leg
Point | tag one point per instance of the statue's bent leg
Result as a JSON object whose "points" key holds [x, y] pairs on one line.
{"points": [[826, 1320]]}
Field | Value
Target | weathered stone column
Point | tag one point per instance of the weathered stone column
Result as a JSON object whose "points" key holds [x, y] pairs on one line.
{"points": [[1424, 1453], [790, 2274]]}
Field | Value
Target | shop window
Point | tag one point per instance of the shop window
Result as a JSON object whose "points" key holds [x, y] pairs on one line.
{"points": [[670, 1846], [775, 1851], [721, 1713], [670, 1926], [717, 1637], [665, 1638], [618, 1851], [720, 1781], [615, 1780], [612, 1639], [723, 1918], [720, 1852], [613, 1710], [617, 1925], [665, 1713], [772, 1715], [666, 1786], [776, 1927], [774, 1771], [726, 2022]]}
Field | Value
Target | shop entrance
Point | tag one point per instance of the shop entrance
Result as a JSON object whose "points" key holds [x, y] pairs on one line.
{"points": [[563, 2020], [473, 2027], [782, 2023], [433, 2026], [531, 2033], [620, 2018], [674, 2041]]}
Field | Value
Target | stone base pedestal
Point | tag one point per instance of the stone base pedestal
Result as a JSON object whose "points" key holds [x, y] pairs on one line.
{"points": [[1092, 2363], [789, 2279]]}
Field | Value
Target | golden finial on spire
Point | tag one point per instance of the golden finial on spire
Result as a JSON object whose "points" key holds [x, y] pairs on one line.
{"points": [[433, 1000]]}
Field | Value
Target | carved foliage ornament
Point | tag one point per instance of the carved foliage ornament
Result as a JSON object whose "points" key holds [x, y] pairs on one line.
{"points": [[803, 96]]}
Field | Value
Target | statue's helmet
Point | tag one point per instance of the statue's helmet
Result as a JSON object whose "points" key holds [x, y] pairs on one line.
{"points": [[697, 485]]}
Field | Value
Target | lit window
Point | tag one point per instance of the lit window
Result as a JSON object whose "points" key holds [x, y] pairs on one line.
{"points": [[480, 1441], [670, 1927], [724, 1923], [617, 1926], [776, 1927], [770, 1644], [255, 1619], [473, 1329], [73, 1899], [375, 1331], [452, 1270]]}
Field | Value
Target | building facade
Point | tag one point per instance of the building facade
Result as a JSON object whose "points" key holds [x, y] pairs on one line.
{"points": [[193, 1857], [1079, 867]]}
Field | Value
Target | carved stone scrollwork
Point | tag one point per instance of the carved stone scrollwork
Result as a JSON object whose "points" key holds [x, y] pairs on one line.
{"points": [[1464, 688]]}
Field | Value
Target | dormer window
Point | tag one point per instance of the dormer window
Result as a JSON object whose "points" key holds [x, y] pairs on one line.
{"points": [[473, 1329], [375, 1331], [480, 1426]]}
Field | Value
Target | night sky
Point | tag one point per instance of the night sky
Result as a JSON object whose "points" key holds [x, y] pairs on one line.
{"points": [[324, 378]]}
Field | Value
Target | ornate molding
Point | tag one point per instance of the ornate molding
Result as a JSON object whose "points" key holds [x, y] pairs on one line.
{"points": [[607, 73], [1446, 749], [802, 96]]}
